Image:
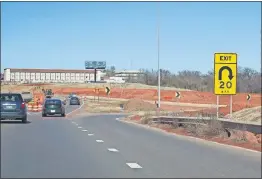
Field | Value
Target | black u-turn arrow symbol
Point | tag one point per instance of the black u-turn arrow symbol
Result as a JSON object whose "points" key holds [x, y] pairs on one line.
{"points": [[230, 76]]}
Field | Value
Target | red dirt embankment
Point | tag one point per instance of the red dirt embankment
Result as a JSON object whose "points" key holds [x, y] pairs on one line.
{"points": [[197, 97]]}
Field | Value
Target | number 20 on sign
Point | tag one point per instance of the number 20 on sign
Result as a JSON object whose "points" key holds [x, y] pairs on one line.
{"points": [[225, 75]]}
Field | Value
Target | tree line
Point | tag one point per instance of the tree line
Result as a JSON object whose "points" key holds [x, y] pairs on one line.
{"points": [[249, 80]]}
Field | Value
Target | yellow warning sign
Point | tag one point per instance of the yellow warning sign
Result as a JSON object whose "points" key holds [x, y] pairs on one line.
{"points": [[225, 73]]}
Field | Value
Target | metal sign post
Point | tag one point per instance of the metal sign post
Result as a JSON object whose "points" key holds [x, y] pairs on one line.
{"points": [[231, 105], [96, 90], [95, 95], [217, 106], [98, 95], [95, 75], [225, 76]]}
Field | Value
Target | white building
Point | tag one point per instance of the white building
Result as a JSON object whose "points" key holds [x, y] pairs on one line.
{"points": [[50, 75], [129, 74], [114, 79]]}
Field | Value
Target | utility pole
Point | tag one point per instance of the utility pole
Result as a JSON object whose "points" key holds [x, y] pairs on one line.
{"points": [[158, 63]]}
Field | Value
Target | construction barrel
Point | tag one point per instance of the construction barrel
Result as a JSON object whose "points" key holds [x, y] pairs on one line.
{"points": [[29, 107], [39, 107], [35, 108]]}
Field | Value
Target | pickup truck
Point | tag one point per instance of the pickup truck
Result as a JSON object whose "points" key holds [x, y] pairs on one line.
{"points": [[27, 96]]}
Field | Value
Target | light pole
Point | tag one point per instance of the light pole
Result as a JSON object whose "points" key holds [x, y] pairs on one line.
{"points": [[158, 64]]}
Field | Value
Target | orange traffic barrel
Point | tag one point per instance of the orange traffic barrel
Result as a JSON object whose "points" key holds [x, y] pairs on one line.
{"points": [[29, 107], [35, 108], [41, 100], [39, 107]]}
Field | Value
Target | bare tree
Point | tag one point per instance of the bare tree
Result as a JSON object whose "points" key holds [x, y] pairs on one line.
{"points": [[249, 80]]}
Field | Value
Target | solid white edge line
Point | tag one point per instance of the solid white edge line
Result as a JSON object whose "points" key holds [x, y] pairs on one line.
{"points": [[133, 165]]}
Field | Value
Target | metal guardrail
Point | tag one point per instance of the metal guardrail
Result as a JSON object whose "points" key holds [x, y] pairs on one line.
{"points": [[257, 129]]}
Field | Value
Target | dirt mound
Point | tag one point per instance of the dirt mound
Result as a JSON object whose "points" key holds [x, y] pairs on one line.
{"points": [[138, 105], [248, 114]]}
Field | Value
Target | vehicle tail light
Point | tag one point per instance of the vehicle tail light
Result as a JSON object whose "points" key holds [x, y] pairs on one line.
{"points": [[23, 105]]}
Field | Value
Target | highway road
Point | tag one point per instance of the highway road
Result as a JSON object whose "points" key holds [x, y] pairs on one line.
{"points": [[102, 146]]}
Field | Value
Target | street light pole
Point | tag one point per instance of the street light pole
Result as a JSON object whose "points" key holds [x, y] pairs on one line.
{"points": [[158, 43]]}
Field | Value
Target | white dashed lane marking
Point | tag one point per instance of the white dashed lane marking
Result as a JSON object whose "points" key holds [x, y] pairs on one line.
{"points": [[99, 141], [112, 150], [133, 165]]}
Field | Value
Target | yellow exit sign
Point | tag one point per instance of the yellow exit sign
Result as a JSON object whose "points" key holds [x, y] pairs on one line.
{"points": [[225, 73]]}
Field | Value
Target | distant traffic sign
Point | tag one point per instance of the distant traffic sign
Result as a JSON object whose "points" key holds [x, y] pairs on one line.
{"points": [[248, 97], [178, 94], [107, 89], [225, 74]]}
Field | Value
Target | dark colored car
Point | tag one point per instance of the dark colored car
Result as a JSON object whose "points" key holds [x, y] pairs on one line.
{"points": [[13, 107], [48, 96], [64, 101], [74, 101], [71, 95], [53, 106]]}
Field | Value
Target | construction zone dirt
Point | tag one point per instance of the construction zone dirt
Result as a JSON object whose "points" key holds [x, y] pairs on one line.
{"points": [[102, 106], [146, 93], [139, 105], [239, 100]]}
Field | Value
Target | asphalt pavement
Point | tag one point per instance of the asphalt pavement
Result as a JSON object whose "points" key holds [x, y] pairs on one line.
{"points": [[103, 146]]}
